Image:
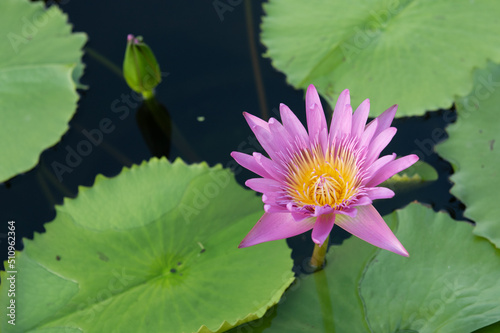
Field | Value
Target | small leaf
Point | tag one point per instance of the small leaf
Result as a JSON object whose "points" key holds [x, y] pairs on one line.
{"points": [[409, 179]]}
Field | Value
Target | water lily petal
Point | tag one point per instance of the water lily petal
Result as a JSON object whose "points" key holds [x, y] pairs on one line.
{"points": [[265, 139], [315, 115], [365, 200], [271, 205], [270, 197], [342, 116], [281, 138], [385, 119], [263, 185], [359, 118], [294, 126], [270, 166], [249, 162], [369, 226], [322, 210], [255, 121], [273, 226], [392, 168], [344, 124], [299, 216], [322, 139], [368, 133], [379, 193], [379, 163], [268, 208], [379, 143], [351, 211], [322, 228]]}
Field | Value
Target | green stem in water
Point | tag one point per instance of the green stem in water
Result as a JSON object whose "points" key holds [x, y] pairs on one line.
{"points": [[104, 61], [254, 55], [318, 256]]}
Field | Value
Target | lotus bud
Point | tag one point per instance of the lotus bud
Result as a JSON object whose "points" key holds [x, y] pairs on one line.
{"points": [[140, 68]]}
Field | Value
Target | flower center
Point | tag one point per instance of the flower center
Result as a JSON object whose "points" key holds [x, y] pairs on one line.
{"points": [[332, 178]]}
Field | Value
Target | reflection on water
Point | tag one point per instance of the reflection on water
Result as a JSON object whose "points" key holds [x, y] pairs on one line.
{"points": [[155, 124]]}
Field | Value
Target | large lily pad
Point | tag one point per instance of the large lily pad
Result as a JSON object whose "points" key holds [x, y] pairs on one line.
{"points": [[418, 54], [153, 249], [472, 148], [39, 68], [442, 287], [493, 328]]}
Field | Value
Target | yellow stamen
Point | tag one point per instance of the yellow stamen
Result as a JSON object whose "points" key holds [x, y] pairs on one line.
{"points": [[318, 179]]}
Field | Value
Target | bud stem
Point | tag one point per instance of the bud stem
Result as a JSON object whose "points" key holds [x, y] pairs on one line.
{"points": [[147, 95]]}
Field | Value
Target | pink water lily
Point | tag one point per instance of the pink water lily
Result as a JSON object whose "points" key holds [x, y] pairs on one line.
{"points": [[317, 178]]}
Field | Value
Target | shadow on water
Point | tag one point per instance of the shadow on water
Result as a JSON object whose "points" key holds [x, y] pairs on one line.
{"points": [[155, 125]]}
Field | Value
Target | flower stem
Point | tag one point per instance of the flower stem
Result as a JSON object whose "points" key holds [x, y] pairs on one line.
{"points": [[318, 256], [104, 61], [254, 56], [148, 95]]}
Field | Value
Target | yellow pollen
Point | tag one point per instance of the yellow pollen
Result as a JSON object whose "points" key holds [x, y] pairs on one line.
{"points": [[318, 179]]}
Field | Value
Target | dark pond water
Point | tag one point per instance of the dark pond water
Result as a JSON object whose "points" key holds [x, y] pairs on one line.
{"points": [[212, 71]]}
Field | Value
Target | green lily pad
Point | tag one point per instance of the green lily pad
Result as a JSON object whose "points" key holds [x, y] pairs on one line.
{"points": [[449, 284], [417, 175], [153, 249], [442, 287], [39, 68], [418, 54], [472, 148], [493, 328], [421, 171], [326, 301]]}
